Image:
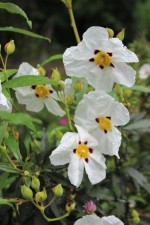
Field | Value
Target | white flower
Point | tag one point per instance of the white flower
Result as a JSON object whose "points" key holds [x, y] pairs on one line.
{"points": [[36, 96], [95, 220], [101, 60], [81, 151], [144, 71], [99, 114], [67, 95], [5, 104]]}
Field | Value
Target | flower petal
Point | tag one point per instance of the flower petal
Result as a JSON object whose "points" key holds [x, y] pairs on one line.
{"points": [[53, 107], [61, 155], [94, 168], [88, 220], [109, 142], [111, 220], [124, 74], [85, 136], [5, 104], [75, 170], [26, 69]]}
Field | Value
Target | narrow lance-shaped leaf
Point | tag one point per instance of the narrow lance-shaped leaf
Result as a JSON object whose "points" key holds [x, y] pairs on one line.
{"points": [[7, 168], [5, 202], [25, 32], [9, 72], [28, 80], [12, 8], [51, 58], [3, 127], [14, 148]]}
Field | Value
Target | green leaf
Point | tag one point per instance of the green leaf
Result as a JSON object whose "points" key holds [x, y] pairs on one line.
{"points": [[139, 88], [139, 178], [8, 74], [25, 32], [20, 119], [51, 58], [141, 124], [7, 168], [14, 9], [3, 127], [28, 80], [14, 147], [5, 202]]}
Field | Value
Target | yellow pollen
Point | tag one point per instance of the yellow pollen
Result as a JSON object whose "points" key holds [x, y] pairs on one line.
{"points": [[102, 59], [105, 123], [82, 151], [41, 91]]}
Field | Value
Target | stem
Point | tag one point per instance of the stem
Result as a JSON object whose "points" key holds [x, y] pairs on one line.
{"points": [[54, 219], [10, 161], [73, 23], [50, 202], [68, 117]]}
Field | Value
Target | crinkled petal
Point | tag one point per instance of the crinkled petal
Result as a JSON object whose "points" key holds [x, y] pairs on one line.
{"points": [[85, 136], [75, 170], [94, 168], [61, 155], [26, 69], [94, 36], [111, 220], [124, 74], [5, 104], [109, 142], [89, 220], [53, 107]]}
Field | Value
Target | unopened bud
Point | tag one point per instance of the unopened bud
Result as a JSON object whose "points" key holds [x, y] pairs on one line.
{"points": [[119, 92], [58, 190], [26, 173], [110, 32], [69, 99], [79, 86], [56, 75], [70, 206], [41, 196], [35, 184], [26, 192], [10, 47], [59, 134], [41, 71], [135, 216], [3, 148], [121, 34], [61, 86]]}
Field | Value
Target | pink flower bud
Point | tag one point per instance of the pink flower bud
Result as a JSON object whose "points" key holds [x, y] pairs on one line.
{"points": [[89, 207], [63, 121]]}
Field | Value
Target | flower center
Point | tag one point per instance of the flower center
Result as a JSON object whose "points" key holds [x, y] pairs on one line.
{"points": [[102, 59], [82, 151], [104, 123], [41, 91]]}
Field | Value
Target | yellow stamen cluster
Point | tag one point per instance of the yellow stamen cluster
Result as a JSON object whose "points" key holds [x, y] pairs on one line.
{"points": [[102, 59], [42, 91], [82, 151], [104, 123]]}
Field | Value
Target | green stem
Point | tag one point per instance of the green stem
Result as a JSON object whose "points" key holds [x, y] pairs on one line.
{"points": [[10, 161], [68, 117], [50, 202], [54, 219], [73, 23]]}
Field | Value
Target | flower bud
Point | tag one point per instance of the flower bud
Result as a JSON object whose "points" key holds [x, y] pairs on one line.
{"points": [[41, 71], [119, 92], [59, 134], [41, 196], [10, 47], [3, 148], [56, 75], [58, 190], [61, 86], [70, 206], [26, 192], [110, 32], [135, 216], [69, 99], [35, 184], [90, 207], [121, 34], [79, 86], [26, 173]]}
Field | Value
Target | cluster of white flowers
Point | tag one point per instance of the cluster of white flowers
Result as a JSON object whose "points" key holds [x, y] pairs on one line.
{"points": [[101, 61]]}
